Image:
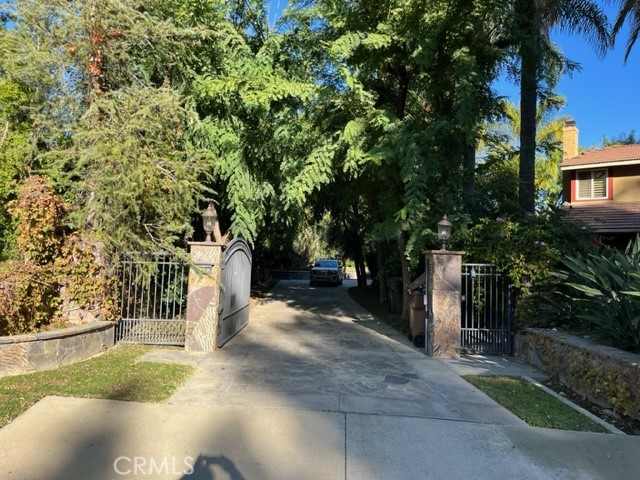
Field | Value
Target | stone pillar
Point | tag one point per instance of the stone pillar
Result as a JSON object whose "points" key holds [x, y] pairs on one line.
{"points": [[203, 297], [444, 297]]}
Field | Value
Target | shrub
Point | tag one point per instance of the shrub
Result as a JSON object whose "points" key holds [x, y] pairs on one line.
{"points": [[59, 277], [528, 250], [604, 292], [29, 297], [39, 212], [75, 288], [86, 287]]}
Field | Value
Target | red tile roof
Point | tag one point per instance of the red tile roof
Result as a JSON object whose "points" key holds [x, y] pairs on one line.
{"points": [[616, 153], [606, 217]]}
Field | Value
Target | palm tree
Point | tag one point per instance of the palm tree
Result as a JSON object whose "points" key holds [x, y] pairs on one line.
{"points": [[629, 9], [533, 21], [499, 171]]}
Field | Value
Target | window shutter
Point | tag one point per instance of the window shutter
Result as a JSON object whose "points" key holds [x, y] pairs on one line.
{"points": [[600, 184], [584, 184], [592, 184]]}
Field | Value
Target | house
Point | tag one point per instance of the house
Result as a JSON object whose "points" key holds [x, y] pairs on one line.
{"points": [[601, 188]]}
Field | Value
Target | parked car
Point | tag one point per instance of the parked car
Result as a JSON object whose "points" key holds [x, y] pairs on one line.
{"points": [[326, 270]]}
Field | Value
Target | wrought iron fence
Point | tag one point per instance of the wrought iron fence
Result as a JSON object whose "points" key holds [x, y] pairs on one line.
{"points": [[153, 297], [487, 310]]}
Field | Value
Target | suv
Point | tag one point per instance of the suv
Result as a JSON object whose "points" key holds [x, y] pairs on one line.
{"points": [[326, 270]]}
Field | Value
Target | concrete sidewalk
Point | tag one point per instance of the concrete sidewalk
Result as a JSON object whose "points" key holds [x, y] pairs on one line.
{"points": [[68, 439], [314, 388]]}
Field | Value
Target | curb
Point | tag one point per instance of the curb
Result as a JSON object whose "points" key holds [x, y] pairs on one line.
{"points": [[578, 408]]}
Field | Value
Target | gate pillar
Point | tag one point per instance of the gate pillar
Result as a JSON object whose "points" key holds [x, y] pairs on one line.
{"points": [[444, 269], [203, 297]]}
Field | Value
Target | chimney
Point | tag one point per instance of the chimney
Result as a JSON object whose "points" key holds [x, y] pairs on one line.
{"points": [[569, 139]]}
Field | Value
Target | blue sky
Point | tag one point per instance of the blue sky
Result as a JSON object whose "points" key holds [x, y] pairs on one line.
{"points": [[603, 97]]}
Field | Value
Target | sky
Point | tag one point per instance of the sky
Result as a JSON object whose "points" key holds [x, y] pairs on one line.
{"points": [[603, 97]]}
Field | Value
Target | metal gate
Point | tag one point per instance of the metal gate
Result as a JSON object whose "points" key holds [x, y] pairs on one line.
{"points": [[487, 310], [235, 289], [153, 300]]}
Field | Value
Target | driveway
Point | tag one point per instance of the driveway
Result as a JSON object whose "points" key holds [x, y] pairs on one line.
{"points": [[313, 388], [314, 348]]}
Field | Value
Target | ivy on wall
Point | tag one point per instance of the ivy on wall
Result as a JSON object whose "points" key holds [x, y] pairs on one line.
{"points": [[58, 277]]}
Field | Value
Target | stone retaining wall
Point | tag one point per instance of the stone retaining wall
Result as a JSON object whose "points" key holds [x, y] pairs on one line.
{"points": [[604, 375], [45, 350]]}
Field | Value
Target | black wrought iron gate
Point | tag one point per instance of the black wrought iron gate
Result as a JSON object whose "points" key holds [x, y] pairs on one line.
{"points": [[235, 289], [487, 310]]}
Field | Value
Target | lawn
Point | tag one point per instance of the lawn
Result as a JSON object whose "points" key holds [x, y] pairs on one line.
{"points": [[532, 404], [117, 375]]}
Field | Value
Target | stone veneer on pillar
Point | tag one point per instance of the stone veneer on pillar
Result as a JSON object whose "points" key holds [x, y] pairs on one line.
{"points": [[203, 297], [443, 322]]}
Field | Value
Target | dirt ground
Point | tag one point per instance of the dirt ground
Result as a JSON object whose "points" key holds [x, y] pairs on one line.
{"points": [[628, 425]]}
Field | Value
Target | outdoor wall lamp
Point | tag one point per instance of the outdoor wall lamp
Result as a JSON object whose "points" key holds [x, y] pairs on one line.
{"points": [[209, 219], [444, 231]]}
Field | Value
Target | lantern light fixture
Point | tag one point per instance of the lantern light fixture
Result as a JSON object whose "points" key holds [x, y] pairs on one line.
{"points": [[444, 231], [209, 218]]}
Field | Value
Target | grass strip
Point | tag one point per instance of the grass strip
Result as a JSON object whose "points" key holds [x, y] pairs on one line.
{"points": [[368, 299], [532, 404], [116, 375]]}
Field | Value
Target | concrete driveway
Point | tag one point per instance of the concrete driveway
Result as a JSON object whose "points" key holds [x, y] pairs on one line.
{"points": [[313, 388], [316, 349]]}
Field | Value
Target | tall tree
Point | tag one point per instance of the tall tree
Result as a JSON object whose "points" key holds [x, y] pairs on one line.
{"points": [[100, 77], [629, 12], [500, 158], [410, 87], [15, 152], [236, 99], [622, 139], [133, 170], [533, 22]]}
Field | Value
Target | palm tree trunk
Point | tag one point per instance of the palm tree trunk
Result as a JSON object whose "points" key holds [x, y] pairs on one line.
{"points": [[530, 58], [528, 101]]}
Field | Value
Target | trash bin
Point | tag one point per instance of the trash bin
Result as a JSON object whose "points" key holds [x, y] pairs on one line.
{"points": [[417, 316]]}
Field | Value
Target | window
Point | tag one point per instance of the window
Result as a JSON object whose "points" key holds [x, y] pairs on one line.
{"points": [[326, 264], [592, 184]]}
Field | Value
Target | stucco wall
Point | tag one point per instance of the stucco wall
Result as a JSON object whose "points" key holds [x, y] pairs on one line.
{"points": [[566, 186], [626, 183]]}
